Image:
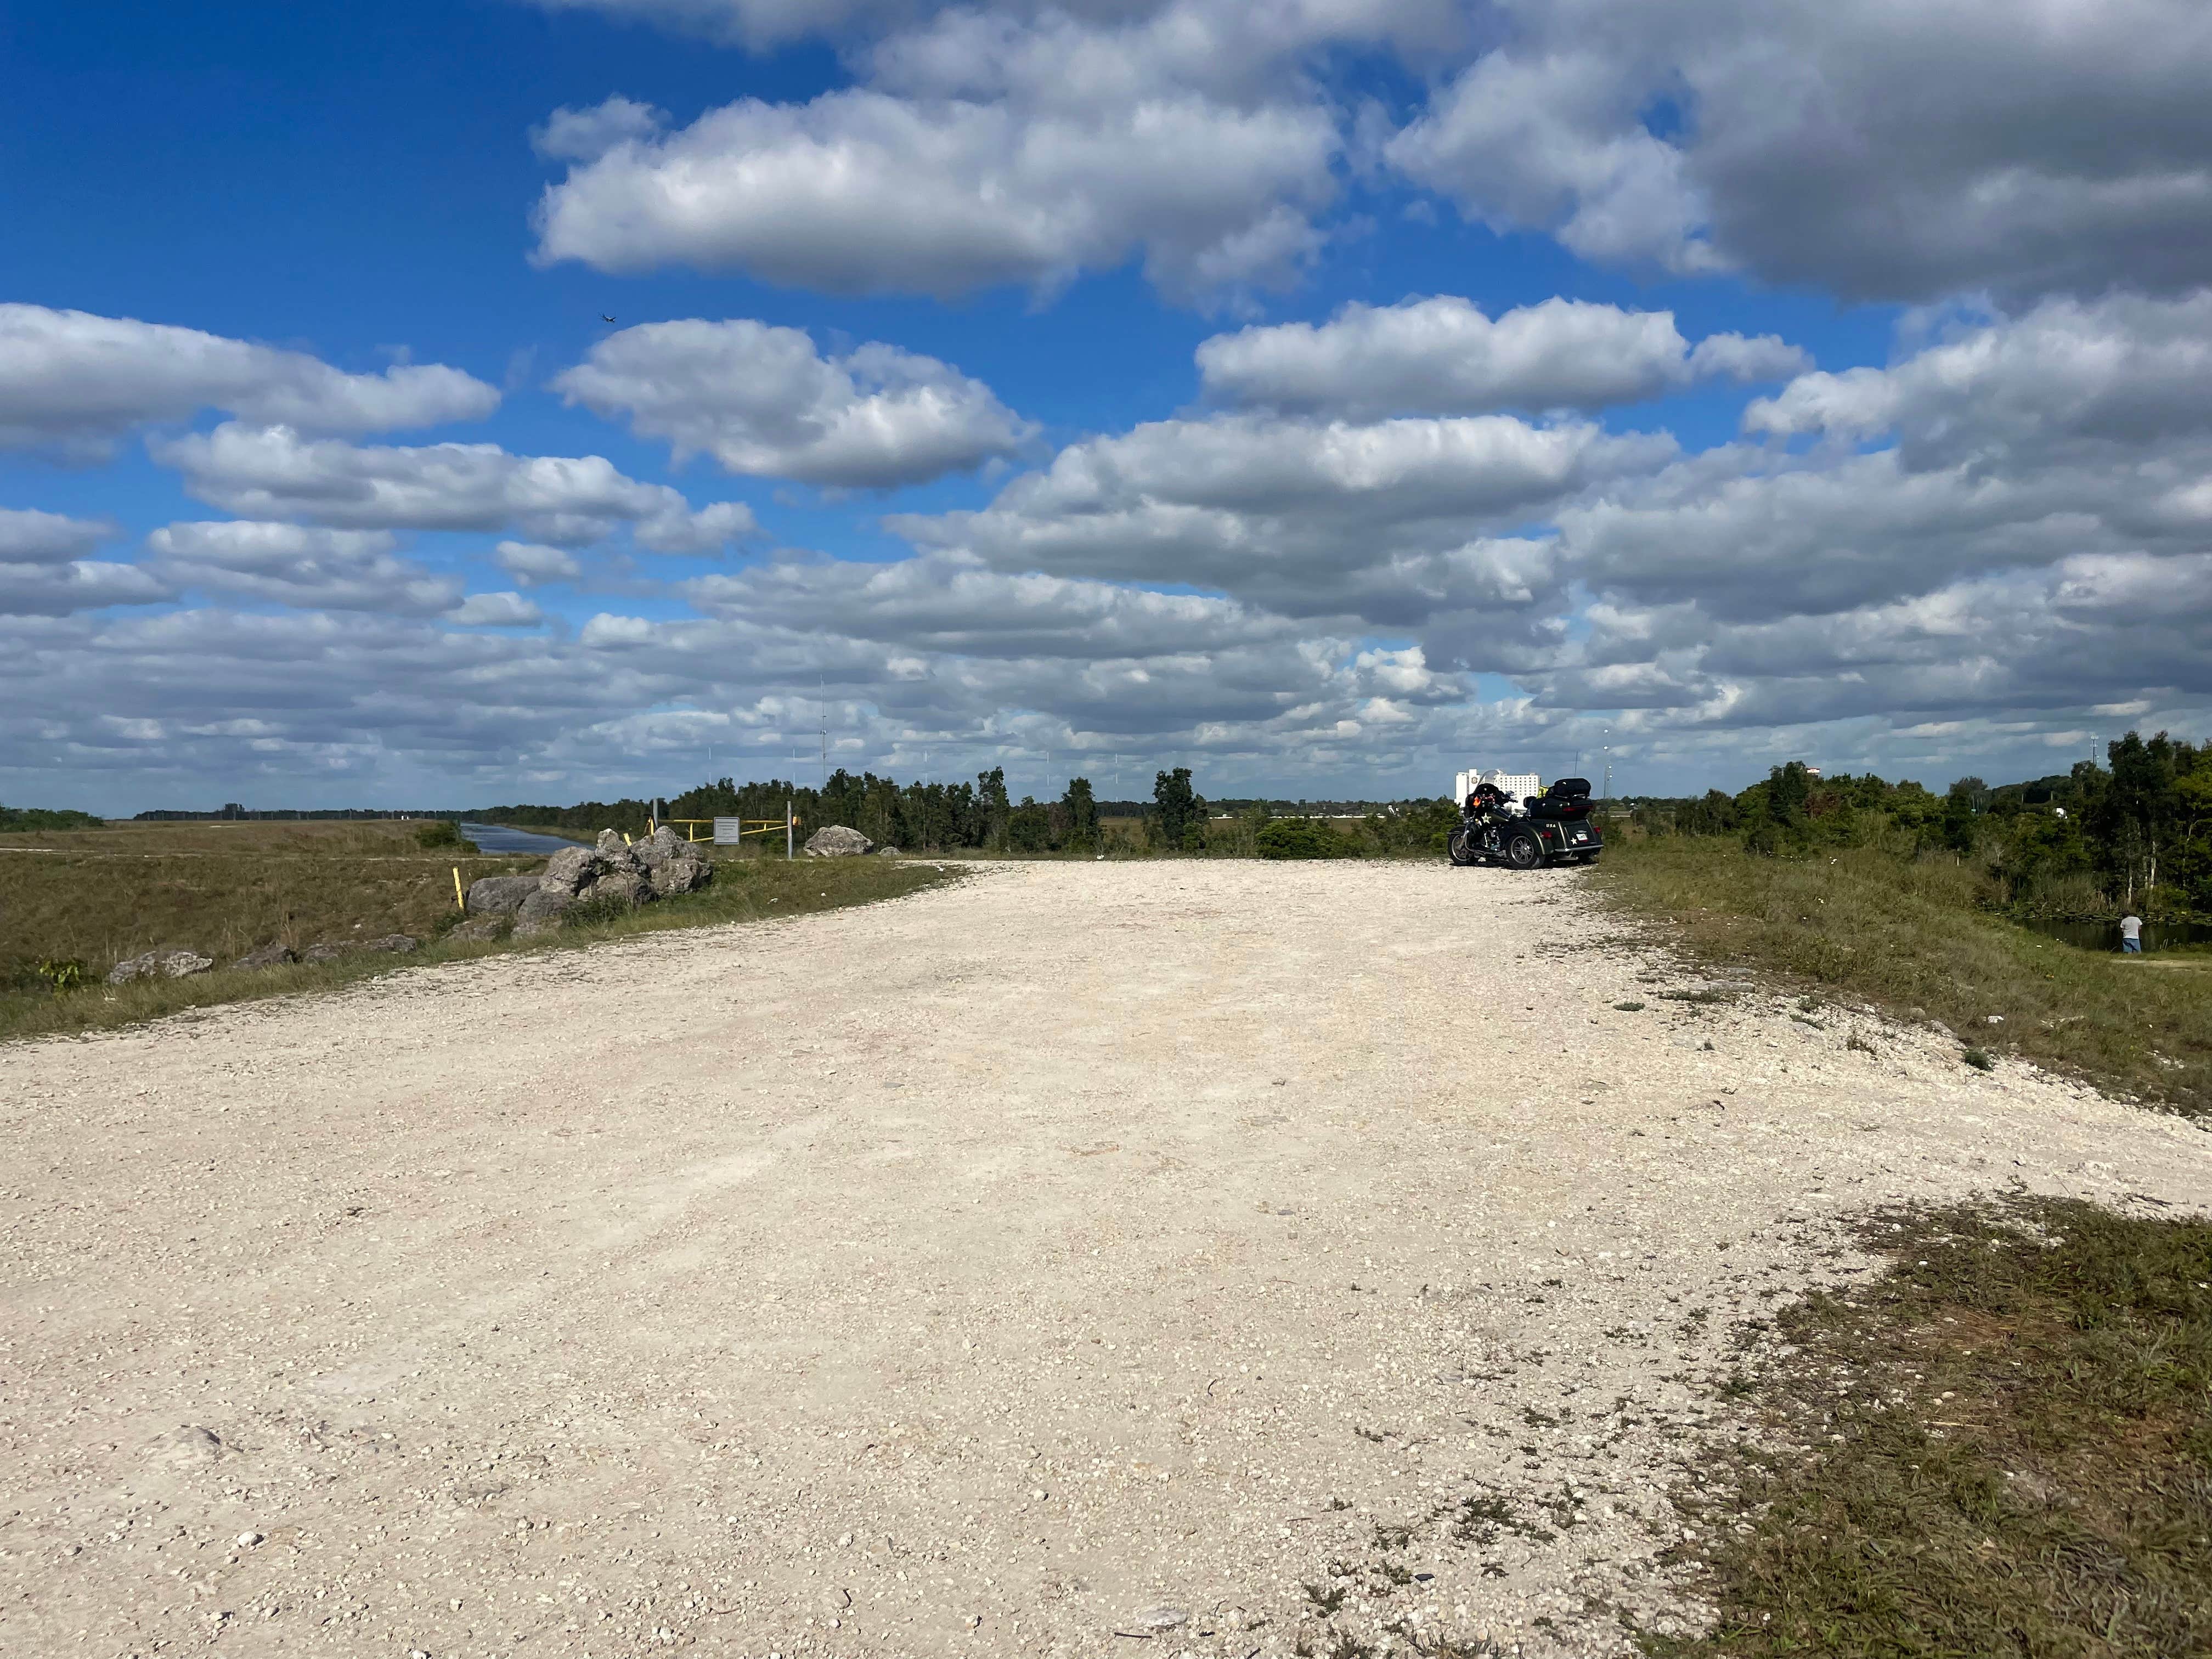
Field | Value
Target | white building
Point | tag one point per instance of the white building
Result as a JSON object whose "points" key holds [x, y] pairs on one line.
{"points": [[1518, 785]]}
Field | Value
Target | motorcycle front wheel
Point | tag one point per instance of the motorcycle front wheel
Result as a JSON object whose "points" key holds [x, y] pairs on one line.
{"points": [[1461, 846]]}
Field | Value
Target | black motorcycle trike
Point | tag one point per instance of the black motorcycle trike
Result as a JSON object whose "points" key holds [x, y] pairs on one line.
{"points": [[1552, 828]]}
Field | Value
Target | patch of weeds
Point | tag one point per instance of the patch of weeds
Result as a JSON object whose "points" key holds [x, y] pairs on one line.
{"points": [[1392, 1537], [1629, 1008], [2012, 1450], [1481, 1520], [1369, 1435], [1855, 1040], [1326, 1598], [596, 912], [1694, 1324], [1704, 998], [1979, 1059], [1536, 1419]]}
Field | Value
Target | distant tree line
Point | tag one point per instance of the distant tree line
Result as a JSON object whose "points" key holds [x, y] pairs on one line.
{"points": [[982, 816], [40, 818], [2135, 832]]}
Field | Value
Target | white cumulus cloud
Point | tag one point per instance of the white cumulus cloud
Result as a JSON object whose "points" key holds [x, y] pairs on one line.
{"points": [[273, 473], [1868, 148], [533, 564], [296, 565], [861, 192], [764, 402], [1443, 356], [71, 379]]}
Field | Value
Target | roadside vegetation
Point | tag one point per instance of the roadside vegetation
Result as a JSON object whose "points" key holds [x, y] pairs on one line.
{"points": [[2000, 1446], [86, 899], [2094, 841], [1857, 890], [1908, 932]]}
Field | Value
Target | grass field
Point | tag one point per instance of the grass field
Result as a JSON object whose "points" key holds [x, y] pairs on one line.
{"points": [[2007, 1450], [220, 889], [1865, 925], [225, 889]]}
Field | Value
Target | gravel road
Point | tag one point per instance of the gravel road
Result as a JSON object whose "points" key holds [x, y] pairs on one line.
{"points": [[1081, 1259]]}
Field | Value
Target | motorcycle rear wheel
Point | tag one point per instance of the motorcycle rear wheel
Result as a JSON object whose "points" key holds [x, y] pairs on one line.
{"points": [[1523, 851]]}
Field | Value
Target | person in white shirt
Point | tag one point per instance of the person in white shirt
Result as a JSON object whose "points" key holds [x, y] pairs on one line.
{"points": [[2131, 935]]}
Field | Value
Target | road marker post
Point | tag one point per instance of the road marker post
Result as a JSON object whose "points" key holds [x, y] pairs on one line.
{"points": [[460, 902]]}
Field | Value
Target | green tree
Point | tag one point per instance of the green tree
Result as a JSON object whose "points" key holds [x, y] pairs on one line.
{"points": [[1773, 813], [1029, 827], [1078, 817], [1961, 806], [1177, 820], [993, 809]]}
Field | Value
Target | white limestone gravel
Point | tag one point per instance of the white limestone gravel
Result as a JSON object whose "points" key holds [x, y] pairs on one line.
{"points": [[1229, 1255]]}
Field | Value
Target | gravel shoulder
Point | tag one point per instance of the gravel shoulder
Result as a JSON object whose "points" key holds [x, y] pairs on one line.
{"points": [[1304, 1250]]}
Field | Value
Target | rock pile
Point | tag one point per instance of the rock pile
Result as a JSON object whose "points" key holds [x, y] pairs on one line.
{"points": [[662, 866], [159, 964], [836, 842]]}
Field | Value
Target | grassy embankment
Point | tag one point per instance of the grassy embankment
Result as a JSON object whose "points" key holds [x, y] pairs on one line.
{"points": [[2014, 1435], [96, 896], [1906, 934], [2003, 1446]]}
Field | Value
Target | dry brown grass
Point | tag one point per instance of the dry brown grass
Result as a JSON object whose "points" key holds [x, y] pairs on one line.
{"points": [[99, 896], [226, 889]]}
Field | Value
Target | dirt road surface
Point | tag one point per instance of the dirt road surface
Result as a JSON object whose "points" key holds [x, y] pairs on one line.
{"points": [[1084, 1259]]}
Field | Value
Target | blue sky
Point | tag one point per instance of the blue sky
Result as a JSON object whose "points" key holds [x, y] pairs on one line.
{"points": [[1325, 396]]}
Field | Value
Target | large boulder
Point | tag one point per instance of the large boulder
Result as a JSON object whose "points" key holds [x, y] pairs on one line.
{"points": [[159, 964], [620, 887], [835, 840], [499, 896], [328, 950], [673, 865], [541, 912], [571, 870], [477, 930], [269, 956], [398, 944]]}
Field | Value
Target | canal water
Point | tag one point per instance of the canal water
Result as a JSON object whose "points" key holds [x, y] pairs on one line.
{"points": [[498, 838], [2106, 935]]}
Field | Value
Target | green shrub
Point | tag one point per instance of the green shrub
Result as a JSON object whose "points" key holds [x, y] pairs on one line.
{"points": [[34, 818], [1302, 838], [63, 974], [441, 832]]}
